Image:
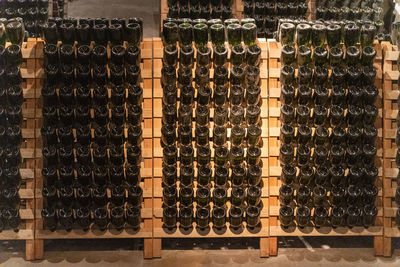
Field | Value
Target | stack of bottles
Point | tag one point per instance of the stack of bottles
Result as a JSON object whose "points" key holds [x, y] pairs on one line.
{"points": [[328, 135], [211, 137], [11, 99], [92, 135], [350, 10], [34, 13], [59, 8], [200, 9], [268, 12], [334, 28]]}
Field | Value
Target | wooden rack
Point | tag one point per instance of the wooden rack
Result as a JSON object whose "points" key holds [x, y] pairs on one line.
{"points": [[274, 65], [146, 228], [159, 231], [152, 232], [390, 171], [27, 168]]}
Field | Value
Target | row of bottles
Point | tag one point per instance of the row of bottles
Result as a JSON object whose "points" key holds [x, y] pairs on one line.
{"points": [[101, 31], [33, 13], [218, 32], [350, 10], [328, 136], [332, 33], [91, 130], [234, 120], [59, 8], [11, 118], [268, 13], [199, 2], [200, 9]]}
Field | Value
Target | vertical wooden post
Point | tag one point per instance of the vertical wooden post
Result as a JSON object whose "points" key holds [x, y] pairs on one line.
{"points": [[39, 243], [147, 75], [273, 104], [29, 104]]}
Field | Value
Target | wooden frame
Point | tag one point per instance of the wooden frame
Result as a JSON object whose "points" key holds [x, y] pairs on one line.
{"points": [[152, 232], [390, 172], [274, 52], [146, 230], [28, 152], [159, 231]]}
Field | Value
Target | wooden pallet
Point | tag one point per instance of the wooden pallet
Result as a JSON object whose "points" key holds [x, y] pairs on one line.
{"points": [[146, 229], [274, 65], [159, 231], [390, 172], [164, 11]]}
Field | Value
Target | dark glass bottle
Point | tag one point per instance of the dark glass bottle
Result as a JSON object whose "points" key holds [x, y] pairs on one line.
{"points": [[320, 216], [369, 213], [118, 195], [50, 220], [337, 216], [202, 135], [203, 196], [66, 218], [253, 195], [288, 55], [220, 55], [186, 176], [303, 214], [238, 175], [286, 194], [101, 218], [219, 217], [286, 154], [286, 216], [99, 196], [288, 175], [353, 214], [83, 218]]}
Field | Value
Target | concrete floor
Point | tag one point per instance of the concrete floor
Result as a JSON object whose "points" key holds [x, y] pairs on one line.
{"points": [[310, 252]]}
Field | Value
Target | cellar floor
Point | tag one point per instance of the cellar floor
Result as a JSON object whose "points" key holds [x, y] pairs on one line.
{"points": [[293, 251]]}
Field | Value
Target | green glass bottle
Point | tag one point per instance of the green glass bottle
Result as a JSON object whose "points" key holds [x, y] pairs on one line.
{"points": [[287, 33], [185, 34], [15, 32], [217, 32], [234, 34], [351, 34], [333, 35], [318, 34], [200, 32], [170, 33], [368, 32], [303, 33], [249, 31]]}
